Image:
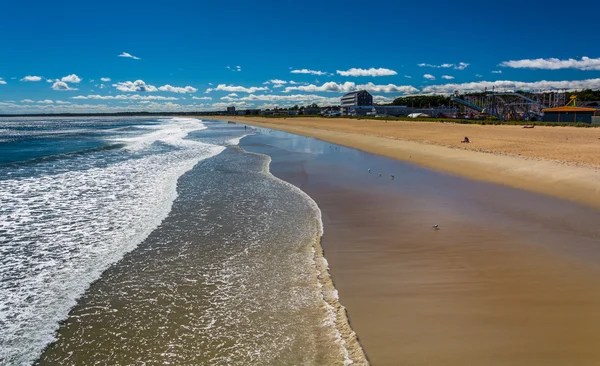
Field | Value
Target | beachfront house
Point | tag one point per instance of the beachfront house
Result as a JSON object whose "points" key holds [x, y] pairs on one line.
{"points": [[360, 98]]}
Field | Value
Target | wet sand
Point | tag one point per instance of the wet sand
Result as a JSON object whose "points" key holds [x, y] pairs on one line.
{"points": [[558, 161], [510, 279]]}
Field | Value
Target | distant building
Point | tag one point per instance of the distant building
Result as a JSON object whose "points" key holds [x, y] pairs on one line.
{"points": [[230, 110], [568, 114], [360, 110], [311, 110], [330, 111], [360, 98]]}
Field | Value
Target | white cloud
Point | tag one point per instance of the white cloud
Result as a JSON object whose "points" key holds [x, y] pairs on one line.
{"points": [[61, 85], [507, 85], [447, 77], [210, 84], [380, 99], [298, 98], [135, 86], [128, 55], [71, 79], [238, 89], [459, 66], [330, 86], [429, 77], [349, 86], [51, 81], [177, 89], [8, 105], [231, 95], [307, 71], [202, 98], [146, 97], [389, 88], [408, 76], [62, 102], [236, 104], [2, 82], [106, 80], [27, 101], [585, 63], [277, 83], [46, 101], [478, 75], [124, 97], [497, 72], [367, 72], [31, 78]]}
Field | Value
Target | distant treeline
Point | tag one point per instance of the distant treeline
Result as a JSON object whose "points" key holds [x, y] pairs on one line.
{"points": [[422, 101], [434, 101]]}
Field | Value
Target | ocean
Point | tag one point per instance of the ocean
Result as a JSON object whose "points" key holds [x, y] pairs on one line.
{"points": [[158, 241]]}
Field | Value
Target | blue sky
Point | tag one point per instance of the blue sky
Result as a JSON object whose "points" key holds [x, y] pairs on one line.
{"points": [[197, 55]]}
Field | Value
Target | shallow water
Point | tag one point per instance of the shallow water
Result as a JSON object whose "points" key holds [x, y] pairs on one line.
{"points": [[219, 266], [228, 277]]}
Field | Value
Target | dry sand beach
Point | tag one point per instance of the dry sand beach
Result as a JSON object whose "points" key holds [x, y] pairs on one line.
{"points": [[511, 279], [557, 161]]}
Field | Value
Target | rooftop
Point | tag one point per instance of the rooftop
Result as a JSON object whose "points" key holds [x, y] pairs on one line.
{"points": [[569, 109]]}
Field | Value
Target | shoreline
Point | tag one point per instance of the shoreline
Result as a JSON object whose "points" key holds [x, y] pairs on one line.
{"points": [[577, 183], [354, 352], [498, 276]]}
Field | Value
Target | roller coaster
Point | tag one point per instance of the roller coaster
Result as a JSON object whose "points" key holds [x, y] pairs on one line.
{"points": [[510, 105]]}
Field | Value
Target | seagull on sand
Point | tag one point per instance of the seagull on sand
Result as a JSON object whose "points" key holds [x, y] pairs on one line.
{"points": [[369, 170], [393, 177], [380, 174], [436, 227]]}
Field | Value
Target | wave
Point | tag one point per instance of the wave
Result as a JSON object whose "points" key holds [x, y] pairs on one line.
{"points": [[172, 134], [59, 232], [337, 317], [236, 141], [47, 158]]}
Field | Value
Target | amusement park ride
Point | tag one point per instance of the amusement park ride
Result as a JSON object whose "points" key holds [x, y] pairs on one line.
{"points": [[511, 105]]}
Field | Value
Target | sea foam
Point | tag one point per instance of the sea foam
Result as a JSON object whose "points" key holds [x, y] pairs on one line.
{"points": [[59, 232]]}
